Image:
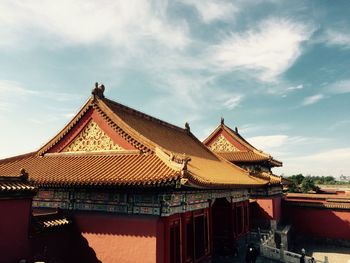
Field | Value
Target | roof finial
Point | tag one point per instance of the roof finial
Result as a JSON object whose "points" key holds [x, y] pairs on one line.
{"points": [[222, 122], [98, 91], [187, 127], [185, 160], [236, 129], [23, 174]]}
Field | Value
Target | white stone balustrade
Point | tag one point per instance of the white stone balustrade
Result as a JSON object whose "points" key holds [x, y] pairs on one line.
{"points": [[283, 255]]}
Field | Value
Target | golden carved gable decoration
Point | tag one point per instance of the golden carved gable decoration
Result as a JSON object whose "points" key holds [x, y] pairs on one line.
{"points": [[221, 144], [92, 138]]}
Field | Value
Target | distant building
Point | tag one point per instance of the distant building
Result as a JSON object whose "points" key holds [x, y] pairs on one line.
{"points": [[344, 178]]}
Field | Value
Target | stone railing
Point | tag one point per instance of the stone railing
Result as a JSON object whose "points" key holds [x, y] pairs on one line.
{"points": [[268, 249]]}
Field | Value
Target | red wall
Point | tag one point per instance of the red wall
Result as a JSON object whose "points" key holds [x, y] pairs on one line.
{"points": [[318, 222], [14, 226], [277, 208], [264, 210], [123, 239]]}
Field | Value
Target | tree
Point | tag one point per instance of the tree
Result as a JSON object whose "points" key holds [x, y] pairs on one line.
{"points": [[308, 185], [297, 179], [329, 180]]}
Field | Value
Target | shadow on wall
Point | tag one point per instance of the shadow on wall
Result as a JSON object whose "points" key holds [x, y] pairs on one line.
{"points": [[123, 238], [259, 217], [120, 225], [62, 245]]}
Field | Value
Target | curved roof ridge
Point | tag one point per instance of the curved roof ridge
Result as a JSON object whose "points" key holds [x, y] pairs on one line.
{"points": [[144, 115], [240, 138], [92, 102], [47, 146], [17, 157], [124, 126]]}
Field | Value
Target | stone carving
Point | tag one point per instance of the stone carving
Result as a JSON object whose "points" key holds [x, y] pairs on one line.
{"points": [[92, 138], [221, 144]]}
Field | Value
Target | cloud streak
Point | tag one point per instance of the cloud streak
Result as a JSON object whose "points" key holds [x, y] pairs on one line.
{"points": [[340, 87], [266, 51], [330, 162], [312, 99], [81, 22], [336, 38], [212, 10]]}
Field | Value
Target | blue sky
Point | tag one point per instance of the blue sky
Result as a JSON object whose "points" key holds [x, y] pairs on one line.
{"points": [[278, 70]]}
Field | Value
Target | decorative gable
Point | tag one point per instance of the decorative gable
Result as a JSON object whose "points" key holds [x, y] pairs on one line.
{"points": [[221, 144], [92, 138]]}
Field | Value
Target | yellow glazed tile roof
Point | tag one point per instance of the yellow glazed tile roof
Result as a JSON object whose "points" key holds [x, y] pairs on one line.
{"points": [[250, 154], [165, 153]]}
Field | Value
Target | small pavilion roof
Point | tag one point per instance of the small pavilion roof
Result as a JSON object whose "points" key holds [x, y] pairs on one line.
{"points": [[244, 153], [161, 154]]}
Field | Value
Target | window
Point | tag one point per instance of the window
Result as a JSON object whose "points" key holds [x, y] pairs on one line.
{"points": [[201, 235]]}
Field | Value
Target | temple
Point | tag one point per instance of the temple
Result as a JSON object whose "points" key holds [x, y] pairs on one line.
{"points": [[118, 185], [137, 188], [266, 200]]}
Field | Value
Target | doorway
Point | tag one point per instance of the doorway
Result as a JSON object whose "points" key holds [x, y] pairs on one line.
{"points": [[222, 227]]}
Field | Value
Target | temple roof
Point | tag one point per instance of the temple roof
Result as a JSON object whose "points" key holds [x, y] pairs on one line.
{"points": [[270, 177], [230, 145], [16, 185], [132, 148]]}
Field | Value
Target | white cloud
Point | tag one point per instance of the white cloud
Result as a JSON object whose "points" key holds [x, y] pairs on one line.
{"points": [[121, 23], [337, 38], [331, 162], [340, 154], [312, 99], [10, 88], [339, 125], [266, 52], [340, 87], [229, 100], [13, 93], [268, 142], [211, 10], [297, 154], [299, 87], [233, 102], [284, 145]]}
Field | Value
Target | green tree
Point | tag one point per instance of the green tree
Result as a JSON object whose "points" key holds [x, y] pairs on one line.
{"points": [[296, 179], [329, 180], [308, 185]]}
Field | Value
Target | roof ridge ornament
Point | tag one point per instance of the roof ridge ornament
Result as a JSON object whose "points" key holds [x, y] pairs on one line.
{"points": [[236, 129], [184, 161], [23, 174], [222, 121], [98, 91], [187, 127]]}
